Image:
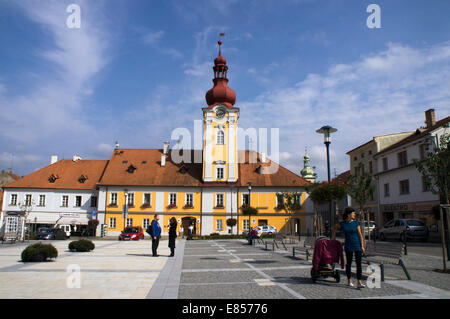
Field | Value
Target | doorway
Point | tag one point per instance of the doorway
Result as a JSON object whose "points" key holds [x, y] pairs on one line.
{"points": [[188, 221]]}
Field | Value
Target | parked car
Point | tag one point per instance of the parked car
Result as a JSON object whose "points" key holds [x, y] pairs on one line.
{"points": [[132, 233], [51, 233], [267, 229], [370, 227], [404, 229]]}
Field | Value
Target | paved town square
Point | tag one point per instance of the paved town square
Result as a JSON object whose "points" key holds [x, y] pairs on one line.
{"points": [[201, 269]]}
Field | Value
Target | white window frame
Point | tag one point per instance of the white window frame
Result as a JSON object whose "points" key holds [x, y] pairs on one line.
{"points": [[220, 137], [217, 173], [28, 202], [145, 223], [242, 198], [130, 199], [129, 222], [65, 201], [13, 200], [42, 200], [244, 224], [187, 202], [96, 201], [112, 222], [219, 224], [12, 224], [113, 197], [170, 199], [150, 199], [81, 201], [277, 201], [217, 199]]}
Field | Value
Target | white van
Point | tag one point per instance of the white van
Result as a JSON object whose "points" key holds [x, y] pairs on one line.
{"points": [[67, 229]]}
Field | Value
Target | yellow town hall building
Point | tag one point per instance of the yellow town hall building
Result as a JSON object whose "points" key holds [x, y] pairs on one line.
{"points": [[204, 187]]}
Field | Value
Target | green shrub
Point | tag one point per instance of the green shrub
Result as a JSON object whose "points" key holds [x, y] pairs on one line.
{"points": [[39, 252], [81, 245]]}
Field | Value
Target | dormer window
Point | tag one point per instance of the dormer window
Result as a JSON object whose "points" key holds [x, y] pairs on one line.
{"points": [[183, 169], [53, 178], [131, 169], [82, 179]]}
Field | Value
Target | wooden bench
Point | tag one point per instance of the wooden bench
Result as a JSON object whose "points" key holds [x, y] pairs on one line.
{"points": [[385, 253], [11, 237], [308, 245]]}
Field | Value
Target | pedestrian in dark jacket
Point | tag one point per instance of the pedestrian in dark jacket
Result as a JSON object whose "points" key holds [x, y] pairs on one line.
{"points": [[156, 235], [172, 235], [354, 244]]}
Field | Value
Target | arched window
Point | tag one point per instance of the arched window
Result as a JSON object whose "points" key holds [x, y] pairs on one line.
{"points": [[220, 137]]}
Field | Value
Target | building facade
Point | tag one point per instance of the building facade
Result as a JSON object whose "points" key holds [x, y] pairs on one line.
{"points": [[403, 193]]}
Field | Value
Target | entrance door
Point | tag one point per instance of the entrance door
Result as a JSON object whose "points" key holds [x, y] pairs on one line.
{"points": [[188, 221]]}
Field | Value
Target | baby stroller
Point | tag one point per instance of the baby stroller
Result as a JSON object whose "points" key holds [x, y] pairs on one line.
{"points": [[326, 254]]}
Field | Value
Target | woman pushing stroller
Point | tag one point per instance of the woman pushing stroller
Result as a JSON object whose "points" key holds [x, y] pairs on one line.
{"points": [[354, 244]]}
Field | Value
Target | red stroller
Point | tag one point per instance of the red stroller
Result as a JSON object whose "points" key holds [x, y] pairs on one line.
{"points": [[326, 254]]}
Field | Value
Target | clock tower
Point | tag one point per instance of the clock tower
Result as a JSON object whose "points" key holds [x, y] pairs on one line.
{"points": [[220, 119]]}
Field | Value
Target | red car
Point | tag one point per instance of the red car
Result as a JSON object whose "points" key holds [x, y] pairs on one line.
{"points": [[132, 233]]}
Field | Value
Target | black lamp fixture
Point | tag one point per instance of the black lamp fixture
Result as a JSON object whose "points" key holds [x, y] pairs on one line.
{"points": [[326, 130]]}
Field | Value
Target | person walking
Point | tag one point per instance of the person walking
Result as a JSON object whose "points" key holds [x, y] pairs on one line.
{"points": [[156, 235], [172, 235], [181, 231], [191, 230], [354, 244]]}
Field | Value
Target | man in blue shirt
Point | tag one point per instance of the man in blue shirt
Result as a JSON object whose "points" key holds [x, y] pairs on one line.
{"points": [[156, 234]]}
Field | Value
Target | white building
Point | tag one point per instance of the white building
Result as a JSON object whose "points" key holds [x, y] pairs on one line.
{"points": [[403, 193], [63, 193]]}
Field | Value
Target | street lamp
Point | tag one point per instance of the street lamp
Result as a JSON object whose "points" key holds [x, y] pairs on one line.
{"points": [[326, 130], [249, 205]]}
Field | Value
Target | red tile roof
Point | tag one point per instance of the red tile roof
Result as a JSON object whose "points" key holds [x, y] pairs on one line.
{"points": [[67, 173]]}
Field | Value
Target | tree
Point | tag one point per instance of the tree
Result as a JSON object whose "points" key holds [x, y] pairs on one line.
{"points": [[291, 203], [435, 171], [360, 188], [322, 193], [231, 222]]}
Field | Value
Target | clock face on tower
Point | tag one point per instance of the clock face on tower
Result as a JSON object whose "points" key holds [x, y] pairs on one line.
{"points": [[220, 113]]}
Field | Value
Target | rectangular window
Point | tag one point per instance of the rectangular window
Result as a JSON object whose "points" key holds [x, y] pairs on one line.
{"points": [[402, 158], [130, 199], [356, 171], [219, 224], [245, 200], [41, 200], [189, 202], [280, 200], [145, 223], [385, 164], [113, 199], [147, 199], [13, 200], [28, 200], [129, 222], [386, 190], [423, 152], [404, 187], [112, 222], [370, 168], [173, 199], [362, 169], [245, 224], [12, 224], [220, 173], [220, 137], [77, 201], [93, 201], [65, 201], [219, 200]]}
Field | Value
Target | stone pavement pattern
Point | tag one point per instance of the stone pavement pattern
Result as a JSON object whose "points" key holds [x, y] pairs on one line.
{"points": [[200, 270], [112, 270]]}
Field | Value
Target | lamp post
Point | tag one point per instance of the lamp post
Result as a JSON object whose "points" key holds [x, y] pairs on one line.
{"points": [[249, 205], [326, 130]]}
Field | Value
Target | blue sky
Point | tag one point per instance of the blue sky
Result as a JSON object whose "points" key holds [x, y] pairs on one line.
{"points": [[136, 70]]}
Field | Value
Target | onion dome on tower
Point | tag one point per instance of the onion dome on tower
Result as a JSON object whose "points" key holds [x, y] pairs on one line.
{"points": [[220, 93]]}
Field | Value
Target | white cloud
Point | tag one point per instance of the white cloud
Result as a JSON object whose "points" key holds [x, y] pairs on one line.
{"points": [[153, 37], [385, 92]]}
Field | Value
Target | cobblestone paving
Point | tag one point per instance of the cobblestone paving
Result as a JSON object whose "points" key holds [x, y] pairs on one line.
{"points": [[233, 269]]}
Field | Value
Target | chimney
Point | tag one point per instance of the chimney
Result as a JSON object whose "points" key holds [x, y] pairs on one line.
{"points": [[53, 159], [430, 119], [163, 160], [263, 158], [9, 170], [76, 158], [166, 147]]}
